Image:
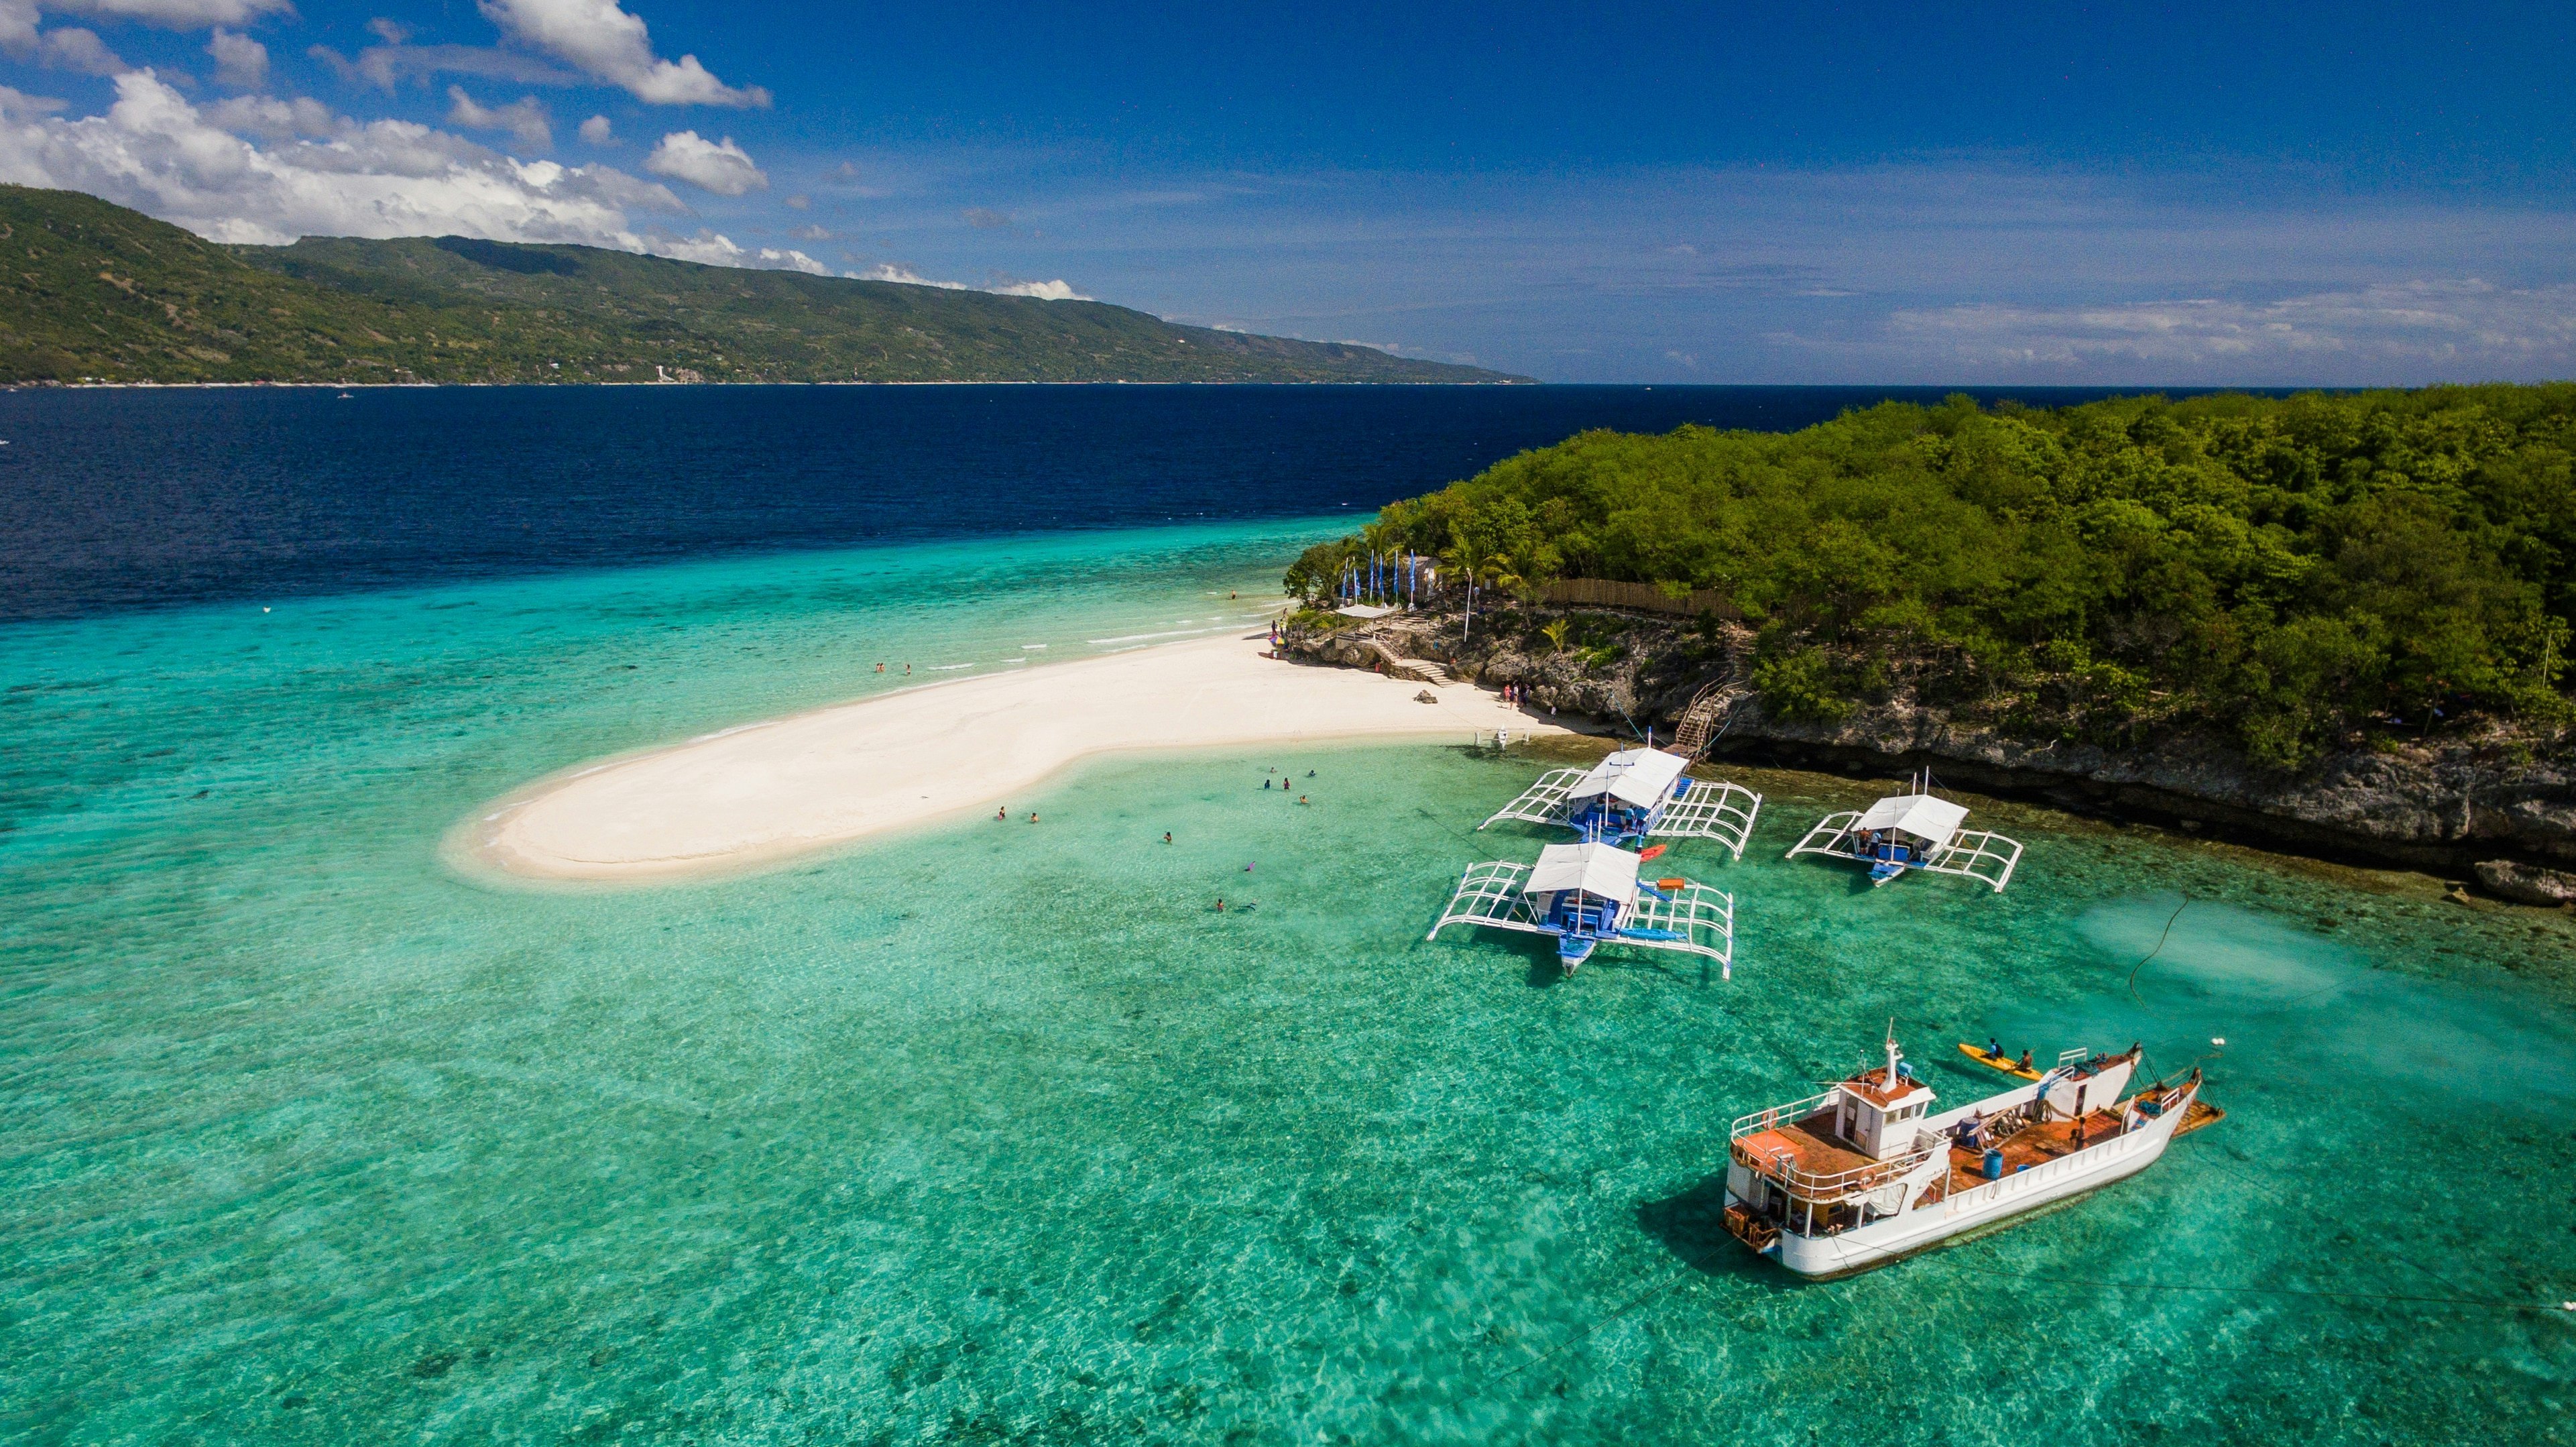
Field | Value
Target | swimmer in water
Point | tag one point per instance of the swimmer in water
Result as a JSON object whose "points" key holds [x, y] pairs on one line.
{"points": [[1002, 815], [1301, 798], [1033, 816], [880, 668], [1167, 836]]}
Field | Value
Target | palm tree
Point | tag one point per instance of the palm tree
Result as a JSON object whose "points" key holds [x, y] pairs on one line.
{"points": [[1555, 633]]}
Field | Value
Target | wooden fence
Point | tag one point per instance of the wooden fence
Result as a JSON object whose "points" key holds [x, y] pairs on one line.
{"points": [[1646, 597]]}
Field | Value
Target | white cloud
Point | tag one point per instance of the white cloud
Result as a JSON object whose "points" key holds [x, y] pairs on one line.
{"points": [[155, 152], [18, 26], [707, 248], [718, 166], [1057, 290], [19, 104], [714, 248], [176, 14], [388, 66], [904, 275], [276, 120], [389, 30], [72, 48], [598, 132], [791, 259], [2441, 324], [811, 232], [600, 39], [525, 118], [240, 62]]}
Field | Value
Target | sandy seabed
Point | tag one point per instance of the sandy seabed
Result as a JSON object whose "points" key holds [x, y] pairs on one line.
{"points": [[767, 791]]}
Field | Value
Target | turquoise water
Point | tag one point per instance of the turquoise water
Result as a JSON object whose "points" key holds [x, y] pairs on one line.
{"points": [[994, 1133]]}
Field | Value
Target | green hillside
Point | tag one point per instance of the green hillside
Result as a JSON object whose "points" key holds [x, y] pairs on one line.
{"points": [[91, 290], [2309, 572]]}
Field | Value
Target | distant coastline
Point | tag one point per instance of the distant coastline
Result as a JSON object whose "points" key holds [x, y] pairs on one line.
{"points": [[946, 382], [107, 295]]}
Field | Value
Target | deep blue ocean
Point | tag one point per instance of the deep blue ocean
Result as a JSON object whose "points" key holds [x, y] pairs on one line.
{"points": [[984, 1133], [119, 498]]}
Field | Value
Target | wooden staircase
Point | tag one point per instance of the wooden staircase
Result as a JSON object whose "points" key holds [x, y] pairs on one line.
{"points": [[1705, 719], [1420, 670]]}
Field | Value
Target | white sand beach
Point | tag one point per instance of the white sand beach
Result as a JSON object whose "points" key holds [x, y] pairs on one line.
{"points": [[767, 791]]}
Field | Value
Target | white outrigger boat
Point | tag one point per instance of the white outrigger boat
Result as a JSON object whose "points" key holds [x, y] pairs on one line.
{"points": [[1913, 831], [1864, 1173], [1588, 895], [1635, 795]]}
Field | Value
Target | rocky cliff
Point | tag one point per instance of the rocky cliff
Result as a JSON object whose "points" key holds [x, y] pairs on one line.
{"points": [[2480, 800]]}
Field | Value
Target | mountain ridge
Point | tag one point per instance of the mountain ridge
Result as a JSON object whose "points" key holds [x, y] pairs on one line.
{"points": [[94, 292]]}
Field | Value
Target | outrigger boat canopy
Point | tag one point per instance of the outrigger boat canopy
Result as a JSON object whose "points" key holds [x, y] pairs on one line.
{"points": [[1642, 777], [1637, 794], [1596, 869], [1913, 831], [1920, 815], [1588, 895]]}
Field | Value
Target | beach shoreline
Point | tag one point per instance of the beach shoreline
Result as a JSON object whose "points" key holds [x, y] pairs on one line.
{"points": [[769, 791]]}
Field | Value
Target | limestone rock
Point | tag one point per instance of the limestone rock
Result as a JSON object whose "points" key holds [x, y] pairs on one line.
{"points": [[2527, 883]]}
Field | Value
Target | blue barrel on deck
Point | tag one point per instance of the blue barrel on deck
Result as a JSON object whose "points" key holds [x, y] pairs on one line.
{"points": [[1994, 1165]]}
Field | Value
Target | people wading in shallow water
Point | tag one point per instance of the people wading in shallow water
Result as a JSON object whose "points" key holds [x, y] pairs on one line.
{"points": [[1002, 815], [1033, 816], [880, 668], [1167, 836]]}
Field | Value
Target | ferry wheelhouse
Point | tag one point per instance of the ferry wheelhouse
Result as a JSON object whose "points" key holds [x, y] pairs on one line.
{"points": [[1589, 895], [1916, 830], [1868, 1172], [1635, 795]]}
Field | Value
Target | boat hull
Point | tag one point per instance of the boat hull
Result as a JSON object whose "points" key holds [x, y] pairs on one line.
{"points": [[1972, 1211]]}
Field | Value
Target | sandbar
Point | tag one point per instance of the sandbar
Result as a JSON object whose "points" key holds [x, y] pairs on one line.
{"points": [[765, 792]]}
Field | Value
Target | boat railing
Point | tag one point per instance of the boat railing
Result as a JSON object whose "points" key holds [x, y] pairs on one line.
{"points": [[1781, 1166], [1762, 1120]]}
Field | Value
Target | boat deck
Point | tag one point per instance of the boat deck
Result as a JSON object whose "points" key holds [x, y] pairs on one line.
{"points": [[2031, 1146], [1811, 1151]]}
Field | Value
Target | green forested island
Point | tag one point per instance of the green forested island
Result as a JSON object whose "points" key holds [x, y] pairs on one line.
{"points": [[93, 291], [2304, 574]]}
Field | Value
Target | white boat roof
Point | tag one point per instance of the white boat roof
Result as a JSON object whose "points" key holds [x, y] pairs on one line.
{"points": [[1599, 869], [1921, 815], [1364, 610], [1632, 776]]}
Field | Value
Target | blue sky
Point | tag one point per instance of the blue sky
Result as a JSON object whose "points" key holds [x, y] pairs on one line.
{"points": [[2187, 195]]}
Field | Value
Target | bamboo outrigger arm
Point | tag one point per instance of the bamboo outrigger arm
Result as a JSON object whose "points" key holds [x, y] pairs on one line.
{"points": [[1689, 918]]}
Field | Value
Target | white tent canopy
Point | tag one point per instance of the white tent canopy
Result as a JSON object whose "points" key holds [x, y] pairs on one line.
{"points": [[1604, 871], [1931, 820], [1632, 776]]}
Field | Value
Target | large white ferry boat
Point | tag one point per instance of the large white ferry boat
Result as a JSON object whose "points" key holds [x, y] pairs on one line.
{"points": [[1866, 1173]]}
